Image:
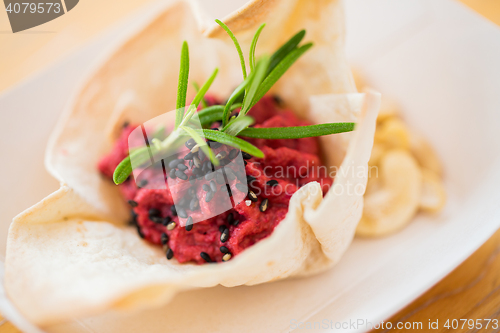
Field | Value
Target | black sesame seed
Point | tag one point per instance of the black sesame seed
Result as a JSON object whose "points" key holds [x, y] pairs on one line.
{"points": [[170, 254], [191, 163], [246, 156], [189, 224], [190, 143], [252, 196], [133, 218], [132, 203], [230, 174], [172, 174], [224, 236], [221, 155], [166, 220], [198, 172], [182, 213], [230, 218], [272, 183], [156, 219], [139, 231], [192, 179], [233, 153], [209, 166], [172, 164], [263, 205], [245, 162], [209, 176], [201, 155], [205, 257], [223, 188], [224, 249], [164, 238], [154, 212], [142, 183], [215, 128], [206, 187], [173, 210], [189, 156], [236, 222], [241, 187], [209, 196], [125, 124], [181, 174], [220, 178], [213, 186], [182, 167], [181, 203], [194, 204], [250, 179], [214, 144], [277, 100], [224, 162], [221, 228]]}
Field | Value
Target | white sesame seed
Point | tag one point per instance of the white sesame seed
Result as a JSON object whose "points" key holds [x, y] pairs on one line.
{"points": [[248, 202], [195, 149]]}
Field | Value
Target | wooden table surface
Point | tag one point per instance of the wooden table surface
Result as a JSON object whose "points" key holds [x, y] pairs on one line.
{"points": [[472, 291]]}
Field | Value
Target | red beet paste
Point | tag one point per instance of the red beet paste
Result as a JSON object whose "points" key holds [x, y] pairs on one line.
{"points": [[288, 164]]}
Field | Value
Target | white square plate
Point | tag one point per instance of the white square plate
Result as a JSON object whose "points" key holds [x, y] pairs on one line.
{"points": [[437, 58]]}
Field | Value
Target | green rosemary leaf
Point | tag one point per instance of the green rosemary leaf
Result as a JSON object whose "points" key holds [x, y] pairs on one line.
{"points": [[203, 100], [204, 88], [234, 96], [279, 70], [237, 45], [237, 125], [202, 143], [297, 132], [210, 115], [124, 169], [235, 106], [233, 141], [254, 45], [286, 48], [183, 84], [213, 113], [258, 76]]}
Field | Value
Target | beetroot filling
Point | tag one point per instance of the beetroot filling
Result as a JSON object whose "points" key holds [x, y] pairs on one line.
{"points": [[288, 164]]}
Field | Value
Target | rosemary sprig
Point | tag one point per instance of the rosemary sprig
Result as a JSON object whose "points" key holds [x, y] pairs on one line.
{"points": [[124, 169], [264, 73], [238, 125], [233, 141], [297, 132], [251, 58], [183, 84], [234, 96], [279, 70], [285, 49], [237, 45], [257, 76], [203, 101]]}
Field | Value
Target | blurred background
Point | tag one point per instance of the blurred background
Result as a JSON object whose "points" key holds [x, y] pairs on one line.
{"points": [[27, 52]]}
